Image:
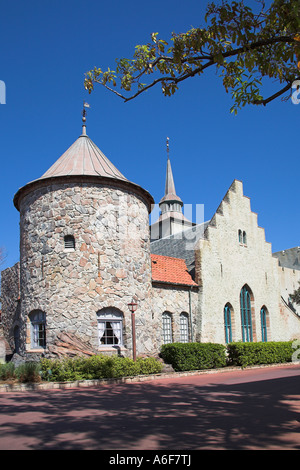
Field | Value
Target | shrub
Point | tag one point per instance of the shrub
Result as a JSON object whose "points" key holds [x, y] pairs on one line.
{"points": [[116, 367], [194, 356], [245, 354], [7, 371], [28, 372], [96, 367], [148, 365], [62, 370]]}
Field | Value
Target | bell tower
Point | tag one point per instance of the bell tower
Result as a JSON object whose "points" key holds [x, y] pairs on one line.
{"points": [[171, 219]]}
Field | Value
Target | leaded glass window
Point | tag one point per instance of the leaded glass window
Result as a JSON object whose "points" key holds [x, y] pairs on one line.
{"points": [[227, 324], [167, 328], [184, 328], [263, 321], [246, 319]]}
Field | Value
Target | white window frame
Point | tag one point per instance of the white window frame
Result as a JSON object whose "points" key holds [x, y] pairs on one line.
{"points": [[110, 319], [37, 329]]}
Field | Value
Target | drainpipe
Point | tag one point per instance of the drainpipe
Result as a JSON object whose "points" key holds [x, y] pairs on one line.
{"points": [[190, 314]]}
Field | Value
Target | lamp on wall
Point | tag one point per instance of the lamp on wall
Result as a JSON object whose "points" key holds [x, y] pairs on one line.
{"points": [[132, 307]]}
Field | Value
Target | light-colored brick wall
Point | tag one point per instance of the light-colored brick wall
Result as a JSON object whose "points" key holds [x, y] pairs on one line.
{"points": [[224, 266], [289, 282]]}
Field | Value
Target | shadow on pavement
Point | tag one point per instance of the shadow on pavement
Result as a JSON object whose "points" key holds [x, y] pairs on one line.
{"points": [[251, 415]]}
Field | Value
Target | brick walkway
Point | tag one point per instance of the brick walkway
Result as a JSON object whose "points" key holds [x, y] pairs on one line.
{"points": [[256, 408]]}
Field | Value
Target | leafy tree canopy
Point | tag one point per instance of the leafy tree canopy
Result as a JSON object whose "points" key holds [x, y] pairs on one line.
{"points": [[244, 46]]}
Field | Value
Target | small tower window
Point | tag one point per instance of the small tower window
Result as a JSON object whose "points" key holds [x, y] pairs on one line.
{"points": [[69, 242]]}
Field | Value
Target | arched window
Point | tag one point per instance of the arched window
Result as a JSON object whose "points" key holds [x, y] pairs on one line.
{"points": [[37, 329], [244, 238], [69, 241], [184, 328], [227, 323], [110, 327], [167, 328], [246, 318], [263, 322], [240, 236]]}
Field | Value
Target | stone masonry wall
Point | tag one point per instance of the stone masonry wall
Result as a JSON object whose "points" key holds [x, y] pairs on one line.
{"points": [[109, 266], [10, 294], [174, 300]]}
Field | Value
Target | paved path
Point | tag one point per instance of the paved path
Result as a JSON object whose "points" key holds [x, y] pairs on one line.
{"points": [[250, 409]]}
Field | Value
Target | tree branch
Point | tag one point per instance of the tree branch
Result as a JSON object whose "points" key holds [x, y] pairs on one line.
{"points": [[242, 49], [210, 61], [276, 95]]}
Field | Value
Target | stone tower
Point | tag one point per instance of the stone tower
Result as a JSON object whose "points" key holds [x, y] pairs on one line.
{"points": [[84, 254]]}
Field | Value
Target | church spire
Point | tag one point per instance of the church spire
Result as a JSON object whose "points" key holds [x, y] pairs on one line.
{"points": [[170, 186], [170, 202]]}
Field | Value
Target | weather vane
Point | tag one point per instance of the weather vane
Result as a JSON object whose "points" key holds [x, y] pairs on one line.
{"points": [[85, 105]]}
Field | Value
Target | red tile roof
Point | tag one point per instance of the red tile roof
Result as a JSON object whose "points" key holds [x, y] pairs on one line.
{"points": [[170, 270]]}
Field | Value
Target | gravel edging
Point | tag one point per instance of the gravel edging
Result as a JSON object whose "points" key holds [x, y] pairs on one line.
{"points": [[20, 387]]}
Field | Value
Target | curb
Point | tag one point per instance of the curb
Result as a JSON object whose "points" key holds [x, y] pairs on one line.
{"points": [[22, 387]]}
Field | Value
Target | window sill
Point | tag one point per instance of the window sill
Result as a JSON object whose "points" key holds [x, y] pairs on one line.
{"points": [[111, 348], [36, 350]]}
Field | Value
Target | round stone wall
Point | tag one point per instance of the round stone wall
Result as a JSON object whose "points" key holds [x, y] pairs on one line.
{"points": [[109, 265]]}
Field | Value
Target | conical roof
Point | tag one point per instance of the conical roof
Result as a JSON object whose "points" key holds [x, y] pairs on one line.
{"points": [[83, 160]]}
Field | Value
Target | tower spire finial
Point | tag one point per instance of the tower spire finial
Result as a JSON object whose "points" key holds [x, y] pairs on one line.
{"points": [[85, 105], [168, 147]]}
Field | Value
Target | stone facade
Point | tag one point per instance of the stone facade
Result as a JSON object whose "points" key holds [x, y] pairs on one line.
{"points": [[109, 265], [10, 300], [174, 300]]}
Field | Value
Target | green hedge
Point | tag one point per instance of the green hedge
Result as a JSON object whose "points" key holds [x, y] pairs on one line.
{"points": [[97, 367], [246, 354], [182, 356], [194, 356]]}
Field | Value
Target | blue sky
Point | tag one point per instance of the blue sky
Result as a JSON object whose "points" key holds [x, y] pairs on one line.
{"points": [[48, 45]]}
